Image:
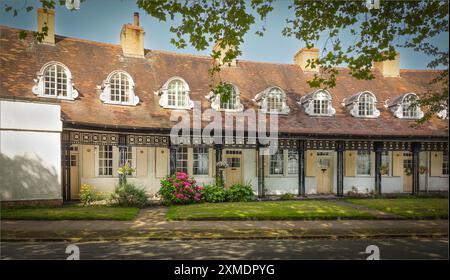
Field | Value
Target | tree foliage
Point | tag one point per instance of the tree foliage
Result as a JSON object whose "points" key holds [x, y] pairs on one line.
{"points": [[377, 32]]}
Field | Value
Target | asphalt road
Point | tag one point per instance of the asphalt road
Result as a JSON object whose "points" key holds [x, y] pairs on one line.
{"points": [[405, 248]]}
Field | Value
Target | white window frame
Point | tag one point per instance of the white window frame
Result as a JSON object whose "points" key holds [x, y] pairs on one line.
{"points": [[102, 157], [403, 106], [445, 166], [163, 92], [130, 150], [354, 106], [280, 159], [263, 100], [216, 104], [105, 95], [386, 156], [292, 164], [39, 83], [203, 164], [321, 95], [369, 161], [182, 155]]}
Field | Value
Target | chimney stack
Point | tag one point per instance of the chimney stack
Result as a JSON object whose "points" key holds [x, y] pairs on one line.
{"points": [[302, 56], [136, 19], [389, 68], [46, 17], [132, 38], [223, 51]]}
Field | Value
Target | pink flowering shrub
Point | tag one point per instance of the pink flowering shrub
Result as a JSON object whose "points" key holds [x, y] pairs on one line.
{"points": [[179, 189]]}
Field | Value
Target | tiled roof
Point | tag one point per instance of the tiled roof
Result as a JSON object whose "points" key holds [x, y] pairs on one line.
{"points": [[91, 62]]}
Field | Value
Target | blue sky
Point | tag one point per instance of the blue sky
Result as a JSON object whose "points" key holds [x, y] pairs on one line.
{"points": [[101, 20]]}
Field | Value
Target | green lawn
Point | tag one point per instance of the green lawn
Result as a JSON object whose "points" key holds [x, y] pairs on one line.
{"points": [[411, 208], [267, 210], [70, 212]]}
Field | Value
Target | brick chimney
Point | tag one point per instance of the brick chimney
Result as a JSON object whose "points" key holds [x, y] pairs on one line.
{"points": [[302, 56], [223, 51], [389, 68], [46, 17], [132, 38]]}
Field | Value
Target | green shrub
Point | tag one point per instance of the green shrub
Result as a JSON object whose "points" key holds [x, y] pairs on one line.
{"points": [[287, 196], [240, 193], [213, 193], [129, 195]]}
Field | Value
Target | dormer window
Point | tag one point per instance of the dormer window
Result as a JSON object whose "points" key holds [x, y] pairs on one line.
{"points": [[233, 104], [318, 103], [362, 105], [405, 106], [366, 105], [54, 80], [175, 94], [272, 101], [118, 89]]}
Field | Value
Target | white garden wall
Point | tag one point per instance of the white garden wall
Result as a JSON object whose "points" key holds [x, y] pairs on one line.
{"points": [[30, 151]]}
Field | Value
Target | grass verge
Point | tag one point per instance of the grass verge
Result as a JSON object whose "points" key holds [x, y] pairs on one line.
{"points": [[266, 210], [410, 208]]}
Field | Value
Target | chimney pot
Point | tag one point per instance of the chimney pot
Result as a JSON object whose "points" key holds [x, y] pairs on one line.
{"points": [[136, 19]]}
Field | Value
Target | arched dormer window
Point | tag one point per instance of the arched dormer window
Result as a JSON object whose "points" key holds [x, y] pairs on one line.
{"points": [[272, 101], [318, 103], [362, 104], [54, 80], [175, 94], [405, 106], [118, 89], [232, 105]]}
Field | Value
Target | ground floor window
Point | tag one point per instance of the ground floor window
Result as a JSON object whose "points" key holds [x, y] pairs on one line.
{"points": [[105, 160], [182, 159], [407, 161], [126, 156], [445, 164], [385, 163], [200, 164], [276, 163], [292, 162], [363, 163]]}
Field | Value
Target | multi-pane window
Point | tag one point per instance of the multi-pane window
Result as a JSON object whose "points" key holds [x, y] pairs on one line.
{"points": [[200, 164], [120, 87], [363, 163], [385, 163], [409, 106], [321, 104], [275, 101], [407, 161], [445, 164], [126, 156], [176, 93], [182, 159], [276, 163], [292, 162], [365, 105], [55, 81], [230, 104], [105, 160]]}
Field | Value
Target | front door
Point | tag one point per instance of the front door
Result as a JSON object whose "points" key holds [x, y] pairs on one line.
{"points": [[407, 172], [233, 174], [74, 178], [324, 172]]}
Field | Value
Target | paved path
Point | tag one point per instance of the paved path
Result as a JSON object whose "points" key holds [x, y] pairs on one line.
{"points": [[377, 213], [153, 219], [234, 249]]}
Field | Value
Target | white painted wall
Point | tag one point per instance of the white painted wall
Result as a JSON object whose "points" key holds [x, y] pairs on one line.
{"points": [[30, 151]]}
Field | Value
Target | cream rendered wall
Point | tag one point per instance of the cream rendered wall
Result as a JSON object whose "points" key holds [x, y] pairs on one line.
{"points": [[30, 151]]}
